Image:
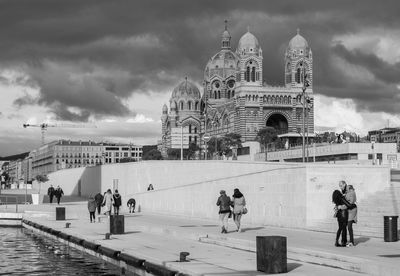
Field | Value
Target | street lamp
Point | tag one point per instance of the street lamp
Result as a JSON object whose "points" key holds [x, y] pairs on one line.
{"points": [[304, 101], [215, 124]]}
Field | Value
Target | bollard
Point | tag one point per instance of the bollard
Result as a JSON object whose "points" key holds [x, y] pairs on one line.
{"points": [[107, 237], [271, 254], [67, 225], [60, 213], [117, 224], [182, 256], [390, 228]]}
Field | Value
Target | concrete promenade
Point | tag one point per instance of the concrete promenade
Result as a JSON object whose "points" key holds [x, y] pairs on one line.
{"points": [[159, 238]]}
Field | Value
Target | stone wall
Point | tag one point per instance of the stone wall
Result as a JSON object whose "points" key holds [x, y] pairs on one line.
{"points": [[280, 194]]}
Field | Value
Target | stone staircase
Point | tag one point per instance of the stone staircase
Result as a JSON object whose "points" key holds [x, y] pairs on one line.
{"points": [[371, 211]]}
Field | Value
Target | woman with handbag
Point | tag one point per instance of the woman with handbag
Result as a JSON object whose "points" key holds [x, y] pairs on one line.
{"points": [[239, 207], [351, 198]]}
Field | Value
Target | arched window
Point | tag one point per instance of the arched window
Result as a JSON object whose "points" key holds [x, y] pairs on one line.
{"points": [[233, 93], [219, 94], [195, 130], [181, 105], [189, 105], [195, 140], [229, 94], [190, 128], [247, 74], [215, 94], [253, 74], [196, 106]]}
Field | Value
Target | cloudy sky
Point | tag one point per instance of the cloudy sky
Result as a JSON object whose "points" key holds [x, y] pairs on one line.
{"points": [[114, 64]]}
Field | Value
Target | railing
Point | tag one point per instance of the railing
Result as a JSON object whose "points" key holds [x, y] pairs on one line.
{"points": [[9, 200]]}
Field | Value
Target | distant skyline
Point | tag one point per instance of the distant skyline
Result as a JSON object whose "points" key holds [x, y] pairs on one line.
{"points": [[115, 63]]}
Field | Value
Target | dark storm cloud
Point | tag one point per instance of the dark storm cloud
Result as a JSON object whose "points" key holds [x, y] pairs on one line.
{"points": [[124, 47]]}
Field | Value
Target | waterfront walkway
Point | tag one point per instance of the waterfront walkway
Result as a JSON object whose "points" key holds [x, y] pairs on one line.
{"points": [[160, 238]]}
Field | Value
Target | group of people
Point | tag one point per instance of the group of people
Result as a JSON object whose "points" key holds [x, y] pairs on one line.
{"points": [[238, 203], [345, 211], [109, 201], [58, 193]]}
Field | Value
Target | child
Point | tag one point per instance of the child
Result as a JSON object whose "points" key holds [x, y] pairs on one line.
{"points": [[92, 208]]}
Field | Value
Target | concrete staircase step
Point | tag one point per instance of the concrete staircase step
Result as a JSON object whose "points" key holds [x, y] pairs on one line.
{"points": [[309, 255]]}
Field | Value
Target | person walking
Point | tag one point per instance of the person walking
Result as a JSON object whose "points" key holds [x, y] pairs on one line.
{"points": [[350, 196], [50, 193], [58, 193], [224, 202], [150, 188], [92, 204], [99, 200], [238, 203], [341, 215], [131, 205], [117, 202], [108, 202]]}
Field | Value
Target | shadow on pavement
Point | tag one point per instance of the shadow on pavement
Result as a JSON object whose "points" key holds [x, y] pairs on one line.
{"points": [[292, 266], [361, 240], [249, 229]]}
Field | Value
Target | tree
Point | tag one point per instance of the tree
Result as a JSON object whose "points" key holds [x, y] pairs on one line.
{"points": [[174, 154], [127, 160], [41, 178], [266, 136], [229, 141], [190, 152], [153, 154]]}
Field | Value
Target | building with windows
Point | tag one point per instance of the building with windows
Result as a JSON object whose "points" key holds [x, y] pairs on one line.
{"points": [[236, 99], [65, 154]]}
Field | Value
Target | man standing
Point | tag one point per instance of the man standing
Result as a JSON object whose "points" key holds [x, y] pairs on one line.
{"points": [[99, 200], [58, 193], [50, 193]]}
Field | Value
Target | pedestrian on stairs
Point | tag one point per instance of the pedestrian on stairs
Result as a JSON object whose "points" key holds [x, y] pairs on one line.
{"points": [[224, 202]]}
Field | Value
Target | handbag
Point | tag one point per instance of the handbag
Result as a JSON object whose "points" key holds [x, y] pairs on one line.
{"points": [[244, 211]]}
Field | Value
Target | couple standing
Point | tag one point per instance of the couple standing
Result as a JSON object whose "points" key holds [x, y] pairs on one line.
{"points": [[239, 208], [345, 212]]}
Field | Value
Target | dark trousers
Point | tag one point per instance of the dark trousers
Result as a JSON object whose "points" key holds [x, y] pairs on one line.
{"points": [[350, 228], [342, 216], [116, 210], [51, 198], [98, 209], [58, 199], [92, 215]]}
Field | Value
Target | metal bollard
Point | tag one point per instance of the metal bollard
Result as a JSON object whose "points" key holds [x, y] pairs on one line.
{"points": [[182, 256], [107, 236], [67, 225]]}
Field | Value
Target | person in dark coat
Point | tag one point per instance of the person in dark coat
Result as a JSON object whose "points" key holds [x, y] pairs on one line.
{"points": [[58, 193], [92, 208], [224, 203], [50, 193], [99, 200], [117, 202], [131, 205], [341, 214]]}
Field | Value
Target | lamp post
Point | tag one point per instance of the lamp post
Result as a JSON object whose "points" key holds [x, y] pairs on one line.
{"points": [[181, 141], [304, 103], [214, 123]]}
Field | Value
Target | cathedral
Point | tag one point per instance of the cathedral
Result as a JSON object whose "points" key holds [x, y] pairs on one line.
{"points": [[236, 99]]}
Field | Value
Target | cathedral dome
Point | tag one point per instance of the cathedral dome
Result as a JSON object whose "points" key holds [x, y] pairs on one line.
{"points": [[298, 42], [165, 108], [222, 63], [186, 89], [248, 43], [226, 35]]}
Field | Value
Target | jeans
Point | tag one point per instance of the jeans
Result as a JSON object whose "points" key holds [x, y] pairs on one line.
{"points": [[350, 228], [92, 215], [223, 217], [342, 216]]}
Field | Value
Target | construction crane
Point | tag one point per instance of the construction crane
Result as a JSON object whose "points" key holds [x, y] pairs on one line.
{"points": [[44, 126]]}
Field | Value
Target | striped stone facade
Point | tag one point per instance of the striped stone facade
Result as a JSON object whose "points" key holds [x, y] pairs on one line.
{"points": [[236, 99]]}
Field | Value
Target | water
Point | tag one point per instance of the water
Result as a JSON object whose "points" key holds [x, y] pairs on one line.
{"points": [[23, 252]]}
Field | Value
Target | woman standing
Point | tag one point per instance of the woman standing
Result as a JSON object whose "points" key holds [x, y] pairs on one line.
{"points": [[224, 210], [350, 196], [107, 202], [342, 216], [238, 203]]}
